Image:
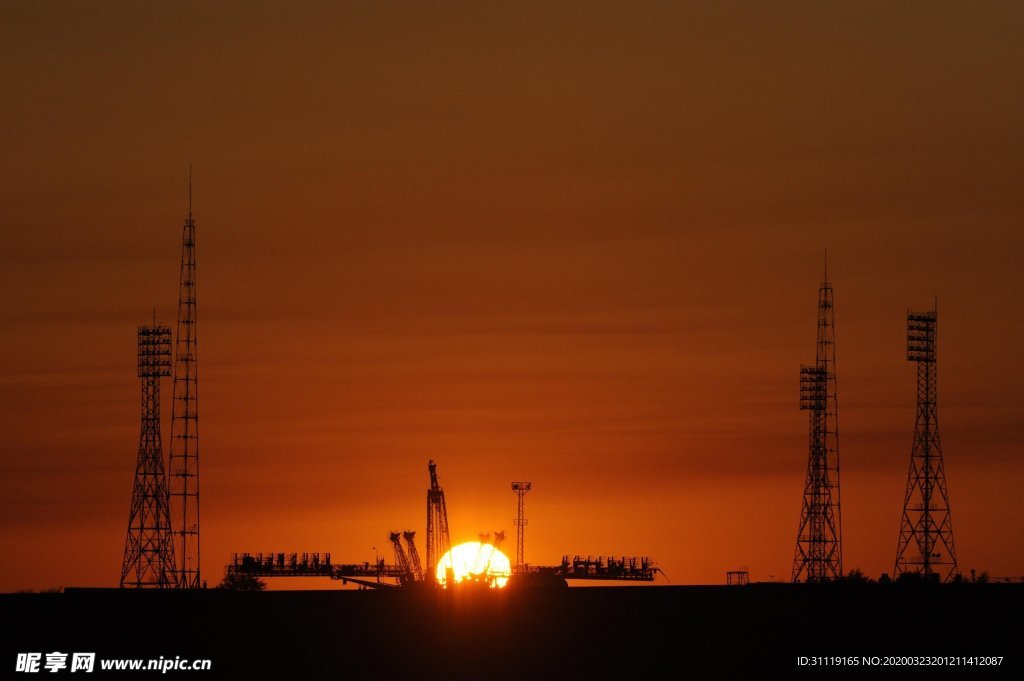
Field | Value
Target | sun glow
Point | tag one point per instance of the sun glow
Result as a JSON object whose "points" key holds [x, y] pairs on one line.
{"points": [[474, 561]]}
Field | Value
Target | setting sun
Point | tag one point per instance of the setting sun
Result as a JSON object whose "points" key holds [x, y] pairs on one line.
{"points": [[475, 562]]}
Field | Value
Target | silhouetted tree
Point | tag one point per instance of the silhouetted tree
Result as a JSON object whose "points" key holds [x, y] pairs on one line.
{"points": [[909, 578], [234, 581], [855, 576], [917, 578]]}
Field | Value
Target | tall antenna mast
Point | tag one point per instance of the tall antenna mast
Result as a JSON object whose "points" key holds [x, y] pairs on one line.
{"points": [[926, 528], [819, 548], [184, 459]]}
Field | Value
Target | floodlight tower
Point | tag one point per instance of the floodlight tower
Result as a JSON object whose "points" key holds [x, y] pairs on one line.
{"points": [[926, 529], [149, 547], [184, 460], [520, 488], [819, 548]]}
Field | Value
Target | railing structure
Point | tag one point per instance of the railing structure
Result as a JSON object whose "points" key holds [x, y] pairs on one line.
{"points": [[626, 568], [369, 574]]}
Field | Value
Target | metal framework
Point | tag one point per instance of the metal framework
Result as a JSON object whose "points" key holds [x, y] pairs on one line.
{"points": [[740, 577], [149, 547], [408, 574], [439, 542], [625, 568], [520, 488], [184, 459], [819, 548], [926, 529], [414, 555]]}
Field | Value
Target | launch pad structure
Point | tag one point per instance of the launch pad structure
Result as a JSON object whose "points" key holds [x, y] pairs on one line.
{"points": [[162, 545], [373, 575], [407, 572]]}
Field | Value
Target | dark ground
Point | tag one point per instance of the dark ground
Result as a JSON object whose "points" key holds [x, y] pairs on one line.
{"points": [[676, 632]]}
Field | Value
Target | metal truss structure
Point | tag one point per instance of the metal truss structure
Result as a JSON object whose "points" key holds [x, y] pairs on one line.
{"points": [[520, 488], [149, 547], [439, 542], [184, 459], [926, 529], [819, 547]]}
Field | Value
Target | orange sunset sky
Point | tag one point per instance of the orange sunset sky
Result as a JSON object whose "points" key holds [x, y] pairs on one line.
{"points": [[572, 243]]}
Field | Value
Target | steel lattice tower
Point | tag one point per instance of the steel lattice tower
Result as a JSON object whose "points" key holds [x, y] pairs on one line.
{"points": [[926, 530], [149, 546], [439, 543], [520, 488], [819, 547], [184, 460]]}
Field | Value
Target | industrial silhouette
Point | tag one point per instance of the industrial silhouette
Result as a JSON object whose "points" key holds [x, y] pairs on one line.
{"points": [[819, 546], [409, 563], [148, 548], [406, 571], [520, 488], [184, 460], [926, 529], [162, 544], [162, 548], [439, 542]]}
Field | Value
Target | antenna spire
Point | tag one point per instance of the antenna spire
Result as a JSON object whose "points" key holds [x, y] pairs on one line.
{"points": [[184, 455]]}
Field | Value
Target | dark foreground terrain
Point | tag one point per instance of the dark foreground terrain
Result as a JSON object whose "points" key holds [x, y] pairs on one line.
{"points": [[756, 631]]}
